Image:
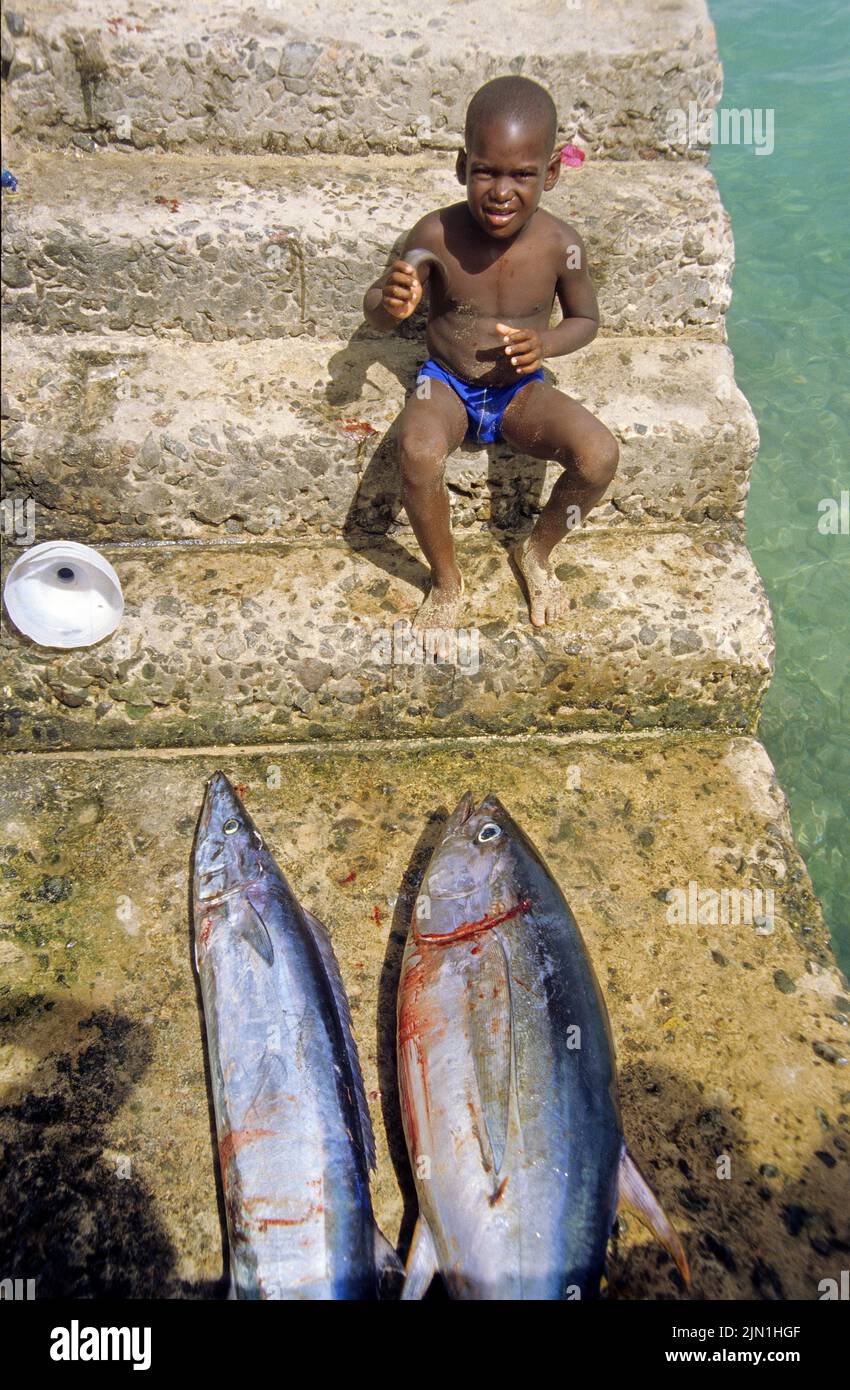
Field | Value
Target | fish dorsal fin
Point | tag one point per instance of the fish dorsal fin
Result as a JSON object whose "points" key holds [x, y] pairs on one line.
{"points": [[326, 951], [489, 997], [254, 929]]}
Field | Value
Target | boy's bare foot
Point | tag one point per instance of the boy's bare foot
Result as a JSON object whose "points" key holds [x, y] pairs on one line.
{"points": [[544, 591], [441, 606]]}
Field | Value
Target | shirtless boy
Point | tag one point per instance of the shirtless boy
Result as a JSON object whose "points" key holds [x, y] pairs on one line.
{"points": [[500, 261]]}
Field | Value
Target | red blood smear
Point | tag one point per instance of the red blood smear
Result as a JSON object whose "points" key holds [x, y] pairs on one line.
{"points": [[232, 1142], [241, 789], [473, 928], [349, 878], [376, 916], [352, 426], [206, 928]]}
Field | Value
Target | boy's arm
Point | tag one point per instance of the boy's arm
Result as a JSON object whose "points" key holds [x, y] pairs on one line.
{"points": [[395, 294], [579, 325]]}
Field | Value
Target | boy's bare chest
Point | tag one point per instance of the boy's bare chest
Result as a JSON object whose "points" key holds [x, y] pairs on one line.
{"points": [[511, 286]]}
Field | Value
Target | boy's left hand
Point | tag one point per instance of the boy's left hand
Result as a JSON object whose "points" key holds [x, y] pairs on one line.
{"points": [[523, 346]]}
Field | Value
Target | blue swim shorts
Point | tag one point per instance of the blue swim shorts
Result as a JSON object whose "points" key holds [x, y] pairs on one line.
{"points": [[485, 405]]}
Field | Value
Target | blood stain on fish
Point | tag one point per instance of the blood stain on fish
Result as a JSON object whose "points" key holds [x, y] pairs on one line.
{"points": [[499, 1193], [232, 1142]]}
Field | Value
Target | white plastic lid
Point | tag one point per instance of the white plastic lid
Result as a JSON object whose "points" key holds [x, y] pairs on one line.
{"points": [[62, 594]]}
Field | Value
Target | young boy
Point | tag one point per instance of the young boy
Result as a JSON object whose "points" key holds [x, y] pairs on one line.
{"points": [[497, 262]]}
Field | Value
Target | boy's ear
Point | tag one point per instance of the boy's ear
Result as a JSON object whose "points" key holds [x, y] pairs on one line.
{"points": [[460, 167], [553, 171]]}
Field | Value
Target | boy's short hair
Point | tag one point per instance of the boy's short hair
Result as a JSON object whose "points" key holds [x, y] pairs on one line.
{"points": [[512, 98]]}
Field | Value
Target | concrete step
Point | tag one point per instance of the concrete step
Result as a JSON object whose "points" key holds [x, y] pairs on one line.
{"points": [[726, 1031], [358, 77], [257, 643], [272, 247], [116, 438]]}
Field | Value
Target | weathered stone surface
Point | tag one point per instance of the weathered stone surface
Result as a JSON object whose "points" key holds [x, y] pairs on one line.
{"points": [[665, 630], [117, 438], [109, 1170], [272, 247], [358, 78]]}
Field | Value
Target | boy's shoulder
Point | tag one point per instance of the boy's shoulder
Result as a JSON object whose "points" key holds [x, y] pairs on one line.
{"points": [[430, 231], [555, 230]]}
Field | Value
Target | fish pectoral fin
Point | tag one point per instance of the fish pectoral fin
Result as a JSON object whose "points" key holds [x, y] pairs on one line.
{"points": [[421, 1263], [257, 933], [490, 1031], [638, 1196], [388, 1266]]}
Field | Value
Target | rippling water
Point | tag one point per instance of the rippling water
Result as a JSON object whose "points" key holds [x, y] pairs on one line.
{"points": [[788, 329]]}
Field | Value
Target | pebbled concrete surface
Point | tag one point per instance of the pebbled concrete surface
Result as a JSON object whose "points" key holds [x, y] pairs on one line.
{"points": [[276, 247], [730, 1040], [115, 438], [357, 78], [247, 645]]}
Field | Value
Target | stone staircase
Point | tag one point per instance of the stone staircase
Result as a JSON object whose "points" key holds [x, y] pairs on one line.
{"points": [[189, 386], [118, 305]]}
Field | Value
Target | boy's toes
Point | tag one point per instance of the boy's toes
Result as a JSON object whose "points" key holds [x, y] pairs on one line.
{"points": [[545, 595], [539, 611], [555, 608]]}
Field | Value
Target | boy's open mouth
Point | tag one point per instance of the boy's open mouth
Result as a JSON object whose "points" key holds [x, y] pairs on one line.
{"points": [[499, 216]]}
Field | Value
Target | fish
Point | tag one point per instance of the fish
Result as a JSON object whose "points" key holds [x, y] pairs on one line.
{"points": [[507, 1079], [295, 1140]]}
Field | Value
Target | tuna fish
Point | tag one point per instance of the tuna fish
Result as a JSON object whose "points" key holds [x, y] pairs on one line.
{"points": [[507, 1077], [295, 1141]]}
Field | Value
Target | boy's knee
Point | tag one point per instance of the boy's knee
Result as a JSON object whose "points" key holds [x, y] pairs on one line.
{"points": [[421, 457], [597, 463]]}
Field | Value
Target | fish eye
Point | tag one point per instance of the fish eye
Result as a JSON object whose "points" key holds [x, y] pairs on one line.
{"points": [[490, 831], [230, 826]]}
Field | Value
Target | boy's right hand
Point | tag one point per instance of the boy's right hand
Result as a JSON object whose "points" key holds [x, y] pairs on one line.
{"points": [[402, 290]]}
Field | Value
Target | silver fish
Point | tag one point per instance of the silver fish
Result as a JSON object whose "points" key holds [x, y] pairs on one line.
{"points": [[295, 1140], [507, 1078]]}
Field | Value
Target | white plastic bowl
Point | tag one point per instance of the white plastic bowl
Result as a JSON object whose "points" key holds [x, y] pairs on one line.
{"points": [[62, 594]]}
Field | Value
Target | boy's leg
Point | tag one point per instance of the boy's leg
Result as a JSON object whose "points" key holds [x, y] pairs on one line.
{"points": [[547, 424], [428, 431]]}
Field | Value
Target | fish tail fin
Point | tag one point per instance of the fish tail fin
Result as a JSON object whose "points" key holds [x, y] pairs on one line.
{"points": [[421, 1263], [638, 1196], [388, 1266]]}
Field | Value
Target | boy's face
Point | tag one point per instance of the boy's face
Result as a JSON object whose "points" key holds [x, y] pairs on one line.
{"points": [[507, 168]]}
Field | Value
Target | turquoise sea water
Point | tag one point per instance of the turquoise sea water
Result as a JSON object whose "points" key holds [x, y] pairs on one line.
{"points": [[789, 328]]}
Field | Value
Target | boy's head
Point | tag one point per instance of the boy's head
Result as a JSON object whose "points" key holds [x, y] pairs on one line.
{"points": [[509, 158]]}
